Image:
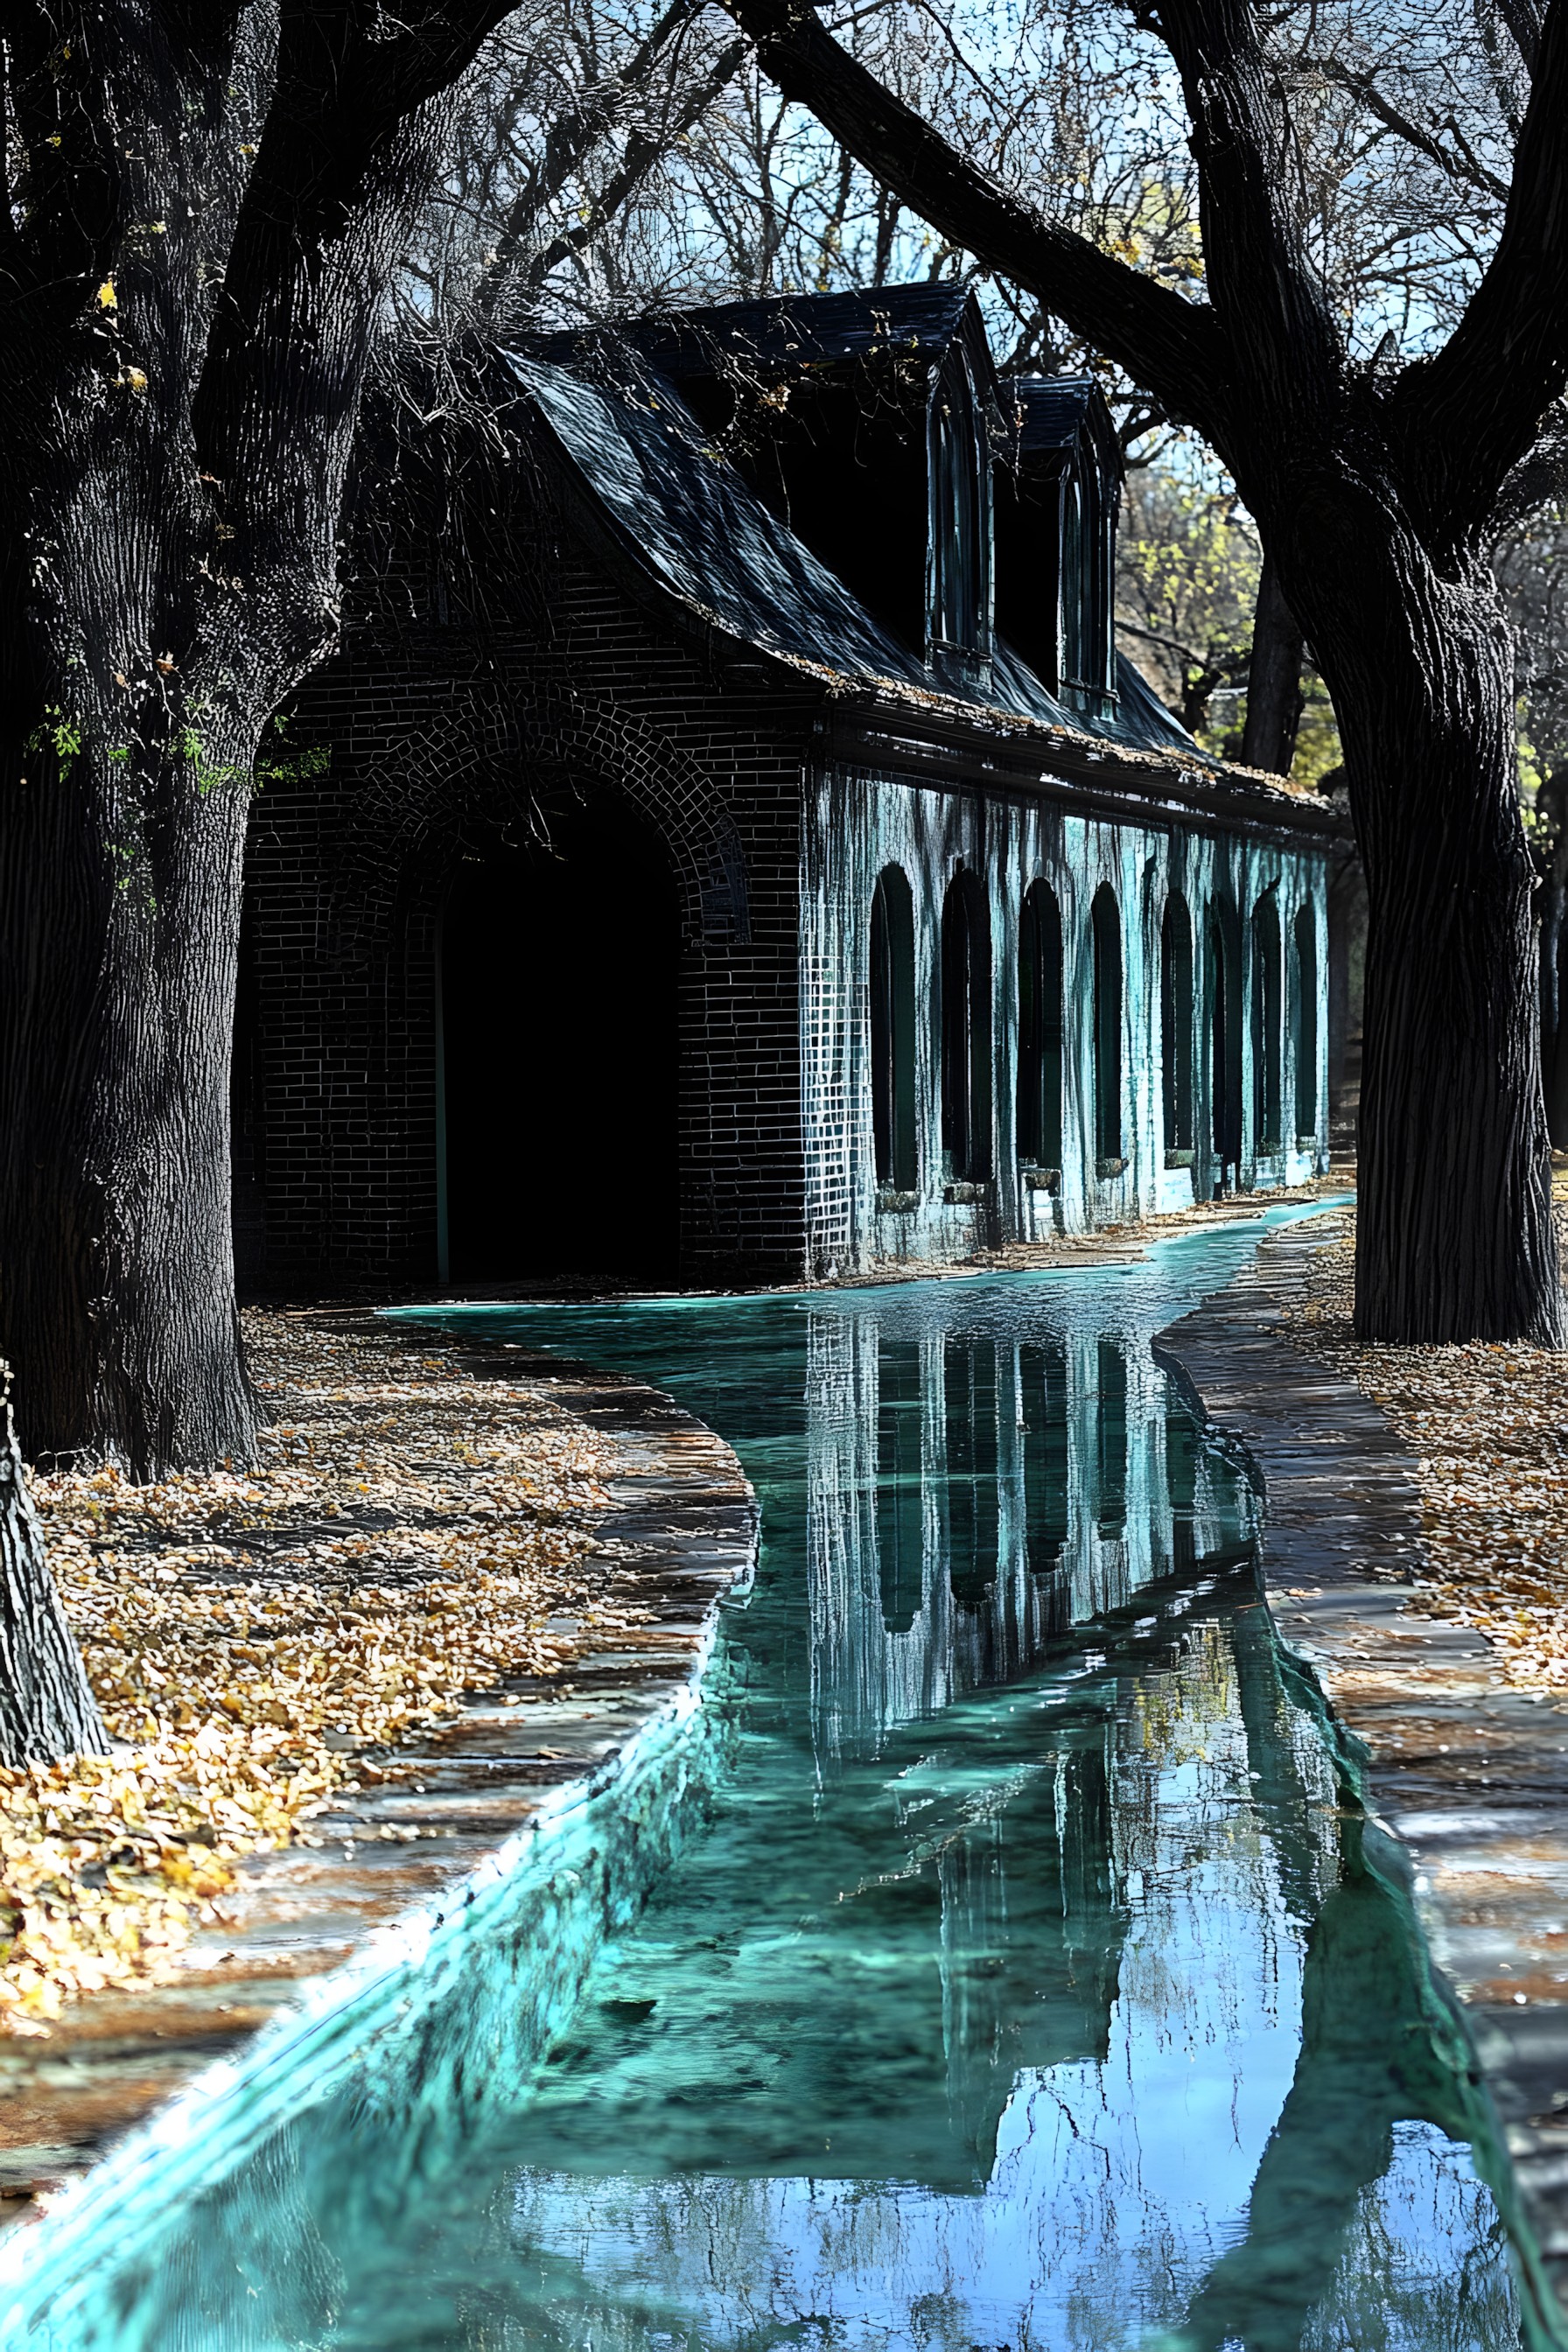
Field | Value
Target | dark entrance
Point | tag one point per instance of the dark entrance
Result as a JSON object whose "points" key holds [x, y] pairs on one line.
{"points": [[559, 971]]}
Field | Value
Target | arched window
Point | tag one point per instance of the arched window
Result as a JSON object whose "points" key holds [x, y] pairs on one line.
{"points": [[965, 1026], [1267, 960], [1177, 1023], [1040, 1029], [1106, 923], [1224, 1039], [1306, 1024], [893, 1030]]}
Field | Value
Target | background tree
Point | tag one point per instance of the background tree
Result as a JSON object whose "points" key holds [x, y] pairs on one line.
{"points": [[205, 207], [1375, 481]]}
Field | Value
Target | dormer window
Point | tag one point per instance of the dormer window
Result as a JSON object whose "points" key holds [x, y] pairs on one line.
{"points": [[1056, 507], [1086, 572], [958, 561]]}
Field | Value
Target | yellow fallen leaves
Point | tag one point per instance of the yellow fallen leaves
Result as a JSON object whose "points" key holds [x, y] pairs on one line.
{"points": [[1489, 1428], [259, 1639]]}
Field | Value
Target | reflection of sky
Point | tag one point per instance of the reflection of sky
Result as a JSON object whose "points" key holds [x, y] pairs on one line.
{"points": [[1114, 2187]]}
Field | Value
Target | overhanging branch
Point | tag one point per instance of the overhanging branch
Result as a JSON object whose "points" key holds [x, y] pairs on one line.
{"points": [[1172, 347], [1467, 416]]}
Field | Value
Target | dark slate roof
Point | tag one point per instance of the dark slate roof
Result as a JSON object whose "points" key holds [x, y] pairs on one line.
{"points": [[796, 330], [1053, 408], [700, 528], [694, 525]]}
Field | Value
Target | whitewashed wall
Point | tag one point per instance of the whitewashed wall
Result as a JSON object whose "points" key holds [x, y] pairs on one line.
{"points": [[856, 824]]}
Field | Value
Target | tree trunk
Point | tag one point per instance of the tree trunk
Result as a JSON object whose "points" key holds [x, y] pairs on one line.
{"points": [[46, 1710], [119, 893], [1455, 1231], [1273, 680]]}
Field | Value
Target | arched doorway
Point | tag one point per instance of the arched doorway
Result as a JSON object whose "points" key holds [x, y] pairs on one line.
{"points": [[1223, 977], [559, 1064]]}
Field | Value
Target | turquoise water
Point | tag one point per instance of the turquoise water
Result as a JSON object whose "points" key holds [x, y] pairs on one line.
{"points": [[1028, 1981]]}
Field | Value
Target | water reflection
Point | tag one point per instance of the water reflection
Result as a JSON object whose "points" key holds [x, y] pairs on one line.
{"points": [[1030, 1985], [969, 1499]]}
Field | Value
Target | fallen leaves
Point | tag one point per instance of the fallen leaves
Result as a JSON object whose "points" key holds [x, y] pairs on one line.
{"points": [[258, 1638], [1489, 1428]]}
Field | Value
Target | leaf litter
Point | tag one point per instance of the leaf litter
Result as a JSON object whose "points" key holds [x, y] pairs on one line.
{"points": [[1487, 1427], [261, 1641]]}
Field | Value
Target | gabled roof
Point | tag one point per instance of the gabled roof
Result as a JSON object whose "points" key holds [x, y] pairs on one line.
{"points": [[1051, 410], [693, 526], [699, 528], [696, 526], [799, 331]]}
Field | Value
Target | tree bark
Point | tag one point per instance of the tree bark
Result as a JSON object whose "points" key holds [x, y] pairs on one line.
{"points": [[46, 1710], [1273, 681], [188, 334], [119, 919], [1455, 1237]]}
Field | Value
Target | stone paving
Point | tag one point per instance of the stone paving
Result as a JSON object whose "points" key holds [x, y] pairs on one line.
{"points": [[1470, 1776]]}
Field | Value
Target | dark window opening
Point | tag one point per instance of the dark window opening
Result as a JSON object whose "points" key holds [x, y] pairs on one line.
{"points": [[1306, 1024], [959, 588], [1106, 924], [1225, 1045], [560, 1057], [901, 1516], [965, 1019], [1040, 1029], [1086, 570], [1267, 959], [893, 1030], [1177, 1023], [843, 458], [1027, 554], [1110, 1442], [1043, 1380], [1074, 631], [969, 1379]]}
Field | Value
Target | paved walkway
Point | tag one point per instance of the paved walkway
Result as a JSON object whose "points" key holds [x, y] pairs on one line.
{"points": [[682, 1519], [1469, 1776]]}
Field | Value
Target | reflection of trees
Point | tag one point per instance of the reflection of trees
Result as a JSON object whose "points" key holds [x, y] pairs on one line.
{"points": [[1374, 2051]]}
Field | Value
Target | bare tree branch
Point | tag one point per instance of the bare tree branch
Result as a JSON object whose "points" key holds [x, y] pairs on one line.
{"points": [[1173, 346], [1470, 414]]}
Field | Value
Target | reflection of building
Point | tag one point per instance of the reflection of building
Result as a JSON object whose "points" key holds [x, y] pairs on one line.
{"points": [[970, 1498]]}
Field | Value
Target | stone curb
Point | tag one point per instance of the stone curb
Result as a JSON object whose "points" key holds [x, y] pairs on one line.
{"points": [[1469, 1776], [681, 1528]]}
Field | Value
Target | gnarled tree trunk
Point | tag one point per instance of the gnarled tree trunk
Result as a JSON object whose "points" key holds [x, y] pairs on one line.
{"points": [[120, 899], [46, 1710], [1454, 1235]]}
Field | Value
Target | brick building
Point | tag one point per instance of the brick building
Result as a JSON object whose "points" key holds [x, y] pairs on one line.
{"points": [[728, 843]]}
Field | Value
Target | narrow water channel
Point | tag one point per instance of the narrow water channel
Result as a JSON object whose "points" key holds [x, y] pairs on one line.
{"points": [[1029, 1984]]}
